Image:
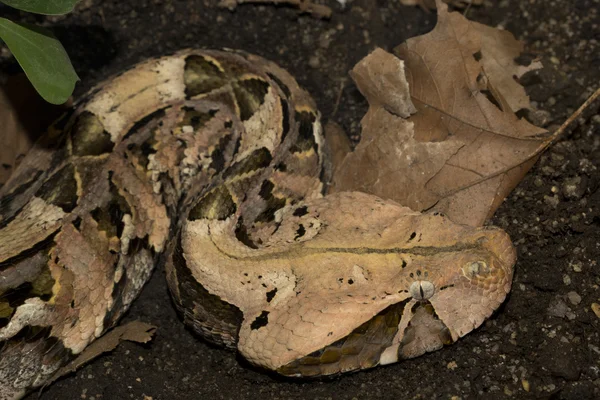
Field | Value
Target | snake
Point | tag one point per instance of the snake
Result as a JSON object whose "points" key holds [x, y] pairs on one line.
{"points": [[213, 163]]}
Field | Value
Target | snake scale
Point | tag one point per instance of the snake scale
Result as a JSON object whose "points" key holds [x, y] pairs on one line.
{"points": [[213, 163]]}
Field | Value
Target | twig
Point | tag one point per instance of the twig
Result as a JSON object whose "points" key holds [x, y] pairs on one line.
{"points": [[467, 9], [562, 129], [305, 6]]}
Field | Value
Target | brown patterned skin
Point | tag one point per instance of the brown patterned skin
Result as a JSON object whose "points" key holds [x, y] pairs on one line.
{"points": [[212, 162]]}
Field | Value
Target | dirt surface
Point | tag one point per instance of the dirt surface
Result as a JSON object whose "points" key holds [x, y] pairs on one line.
{"points": [[544, 341]]}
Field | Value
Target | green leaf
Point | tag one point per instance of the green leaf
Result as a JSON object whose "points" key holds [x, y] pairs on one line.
{"points": [[49, 7], [43, 59]]}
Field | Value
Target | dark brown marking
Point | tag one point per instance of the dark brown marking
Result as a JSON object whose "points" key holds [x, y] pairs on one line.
{"points": [[306, 134], [259, 158], [77, 222], [300, 232], [300, 211], [281, 167], [241, 233], [218, 156], [250, 95], [272, 203], [285, 127], [261, 321], [142, 123], [192, 292], [88, 136], [217, 204], [60, 189], [194, 118], [201, 76], [271, 294], [110, 216], [279, 82]]}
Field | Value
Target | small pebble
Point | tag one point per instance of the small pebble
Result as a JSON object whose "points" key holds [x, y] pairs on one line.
{"points": [[558, 308], [552, 201], [596, 309], [574, 298], [314, 62], [573, 188]]}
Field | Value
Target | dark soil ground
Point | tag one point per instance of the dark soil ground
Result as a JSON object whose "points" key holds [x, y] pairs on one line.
{"points": [[544, 341]]}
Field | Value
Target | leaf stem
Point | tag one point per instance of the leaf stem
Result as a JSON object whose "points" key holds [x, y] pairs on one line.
{"points": [[570, 121]]}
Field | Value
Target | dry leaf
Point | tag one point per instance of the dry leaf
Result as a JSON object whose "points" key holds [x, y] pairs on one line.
{"points": [[135, 331], [24, 116], [376, 76], [460, 153], [499, 48]]}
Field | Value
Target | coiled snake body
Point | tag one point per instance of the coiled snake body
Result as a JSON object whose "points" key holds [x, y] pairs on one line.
{"points": [[211, 162]]}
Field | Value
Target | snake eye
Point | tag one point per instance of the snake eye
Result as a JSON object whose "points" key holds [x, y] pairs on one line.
{"points": [[421, 290], [472, 269]]}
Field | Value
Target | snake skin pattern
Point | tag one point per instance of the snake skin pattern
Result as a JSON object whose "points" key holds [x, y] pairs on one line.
{"points": [[212, 163]]}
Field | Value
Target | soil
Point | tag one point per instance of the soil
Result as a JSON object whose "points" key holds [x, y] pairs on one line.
{"points": [[544, 341]]}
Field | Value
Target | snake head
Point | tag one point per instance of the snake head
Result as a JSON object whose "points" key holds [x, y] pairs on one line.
{"points": [[419, 283], [453, 292], [351, 282]]}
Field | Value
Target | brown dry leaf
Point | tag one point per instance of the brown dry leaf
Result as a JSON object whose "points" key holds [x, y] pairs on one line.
{"points": [[135, 331], [460, 153], [499, 48], [376, 76], [24, 116]]}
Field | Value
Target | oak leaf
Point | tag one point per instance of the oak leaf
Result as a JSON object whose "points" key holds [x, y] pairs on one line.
{"points": [[464, 149]]}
